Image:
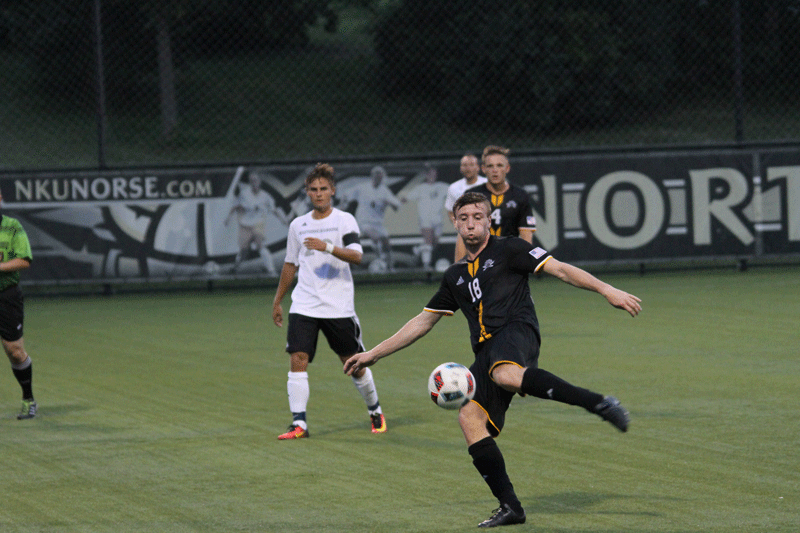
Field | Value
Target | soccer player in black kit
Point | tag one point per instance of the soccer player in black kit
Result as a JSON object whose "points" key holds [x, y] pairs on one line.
{"points": [[511, 213], [490, 286]]}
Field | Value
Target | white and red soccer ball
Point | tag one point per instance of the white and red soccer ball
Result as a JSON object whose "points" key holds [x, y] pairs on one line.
{"points": [[451, 385]]}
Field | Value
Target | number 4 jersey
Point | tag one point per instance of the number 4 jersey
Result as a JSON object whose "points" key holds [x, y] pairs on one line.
{"points": [[491, 290], [511, 211]]}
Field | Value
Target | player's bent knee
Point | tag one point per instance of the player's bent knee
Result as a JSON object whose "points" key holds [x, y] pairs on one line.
{"points": [[299, 361], [508, 377]]}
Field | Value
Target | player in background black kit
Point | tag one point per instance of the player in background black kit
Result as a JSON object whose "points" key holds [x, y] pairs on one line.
{"points": [[490, 286], [511, 213]]}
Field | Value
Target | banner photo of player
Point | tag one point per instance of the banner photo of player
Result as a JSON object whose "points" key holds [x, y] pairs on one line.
{"points": [[232, 221], [198, 223]]}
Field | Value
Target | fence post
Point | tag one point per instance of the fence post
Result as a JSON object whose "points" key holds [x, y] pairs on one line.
{"points": [[738, 81], [101, 89]]}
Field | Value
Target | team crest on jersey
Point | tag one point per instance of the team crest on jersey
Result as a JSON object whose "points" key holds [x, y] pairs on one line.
{"points": [[537, 252], [511, 204], [460, 280], [488, 264]]}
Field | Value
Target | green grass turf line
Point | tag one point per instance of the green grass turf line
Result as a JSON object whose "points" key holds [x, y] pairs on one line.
{"points": [[160, 412]]}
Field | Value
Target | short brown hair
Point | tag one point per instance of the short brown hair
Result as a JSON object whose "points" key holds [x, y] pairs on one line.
{"points": [[469, 198], [321, 171], [494, 150]]}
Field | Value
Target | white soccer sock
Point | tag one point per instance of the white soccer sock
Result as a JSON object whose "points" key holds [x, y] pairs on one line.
{"points": [[297, 387], [366, 386]]}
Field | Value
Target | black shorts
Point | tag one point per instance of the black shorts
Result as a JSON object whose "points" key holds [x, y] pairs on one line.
{"points": [[516, 343], [12, 314], [343, 335]]}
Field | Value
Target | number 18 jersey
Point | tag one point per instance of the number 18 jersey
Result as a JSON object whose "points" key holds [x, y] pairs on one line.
{"points": [[492, 290]]}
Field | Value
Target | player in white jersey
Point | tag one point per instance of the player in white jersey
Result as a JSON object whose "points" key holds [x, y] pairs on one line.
{"points": [[320, 247], [252, 206], [373, 198], [469, 168], [429, 196]]}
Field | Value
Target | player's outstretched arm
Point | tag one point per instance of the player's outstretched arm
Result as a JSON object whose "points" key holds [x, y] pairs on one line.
{"points": [[413, 330], [623, 300], [582, 279]]}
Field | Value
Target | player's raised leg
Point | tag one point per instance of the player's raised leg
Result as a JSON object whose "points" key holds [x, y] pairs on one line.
{"points": [[542, 384]]}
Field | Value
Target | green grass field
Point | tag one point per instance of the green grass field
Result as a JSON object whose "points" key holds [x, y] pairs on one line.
{"points": [[159, 413]]}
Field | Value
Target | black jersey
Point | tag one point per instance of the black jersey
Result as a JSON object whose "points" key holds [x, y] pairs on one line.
{"points": [[510, 211], [493, 289]]}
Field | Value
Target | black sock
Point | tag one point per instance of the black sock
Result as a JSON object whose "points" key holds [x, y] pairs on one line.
{"points": [[488, 459], [25, 378], [542, 384]]}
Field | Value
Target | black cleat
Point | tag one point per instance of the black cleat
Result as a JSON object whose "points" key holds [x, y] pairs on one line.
{"points": [[612, 411], [28, 411], [503, 516]]}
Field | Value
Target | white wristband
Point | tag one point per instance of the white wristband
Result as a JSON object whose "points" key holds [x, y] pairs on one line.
{"points": [[329, 248]]}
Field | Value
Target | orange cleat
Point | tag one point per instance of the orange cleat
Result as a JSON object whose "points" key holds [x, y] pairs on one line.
{"points": [[294, 432], [378, 423]]}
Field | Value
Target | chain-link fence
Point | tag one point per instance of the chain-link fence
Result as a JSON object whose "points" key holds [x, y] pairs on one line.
{"points": [[108, 83]]}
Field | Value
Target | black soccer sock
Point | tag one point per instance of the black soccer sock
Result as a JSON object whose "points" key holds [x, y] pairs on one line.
{"points": [[542, 384], [24, 375], [488, 459]]}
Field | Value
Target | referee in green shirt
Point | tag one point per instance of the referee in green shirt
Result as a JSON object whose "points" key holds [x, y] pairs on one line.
{"points": [[15, 255]]}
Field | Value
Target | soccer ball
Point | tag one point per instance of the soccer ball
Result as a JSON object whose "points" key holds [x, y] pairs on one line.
{"points": [[451, 385]]}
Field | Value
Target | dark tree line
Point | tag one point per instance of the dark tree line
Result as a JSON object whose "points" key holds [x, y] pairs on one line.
{"points": [[572, 63], [144, 42], [547, 64]]}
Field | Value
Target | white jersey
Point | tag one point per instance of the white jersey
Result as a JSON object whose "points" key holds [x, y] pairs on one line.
{"points": [[429, 198], [255, 206], [458, 188], [324, 283], [372, 203]]}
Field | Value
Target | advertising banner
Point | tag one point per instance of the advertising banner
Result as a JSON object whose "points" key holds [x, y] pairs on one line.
{"points": [[662, 206], [205, 222]]}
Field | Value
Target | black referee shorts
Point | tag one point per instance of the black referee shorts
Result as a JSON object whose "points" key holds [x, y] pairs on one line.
{"points": [[516, 343], [12, 314], [343, 335]]}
